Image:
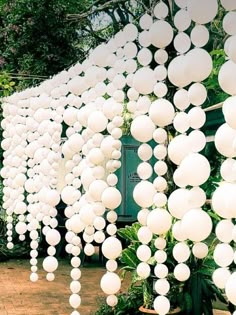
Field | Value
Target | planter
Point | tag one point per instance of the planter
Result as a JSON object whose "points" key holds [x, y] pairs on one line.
{"points": [[148, 311]]}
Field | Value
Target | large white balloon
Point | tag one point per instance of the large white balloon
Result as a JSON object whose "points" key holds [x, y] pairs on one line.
{"points": [[192, 220], [226, 77], [178, 71], [161, 305], [223, 255], [202, 12], [111, 248], [229, 23], [229, 111], [159, 221], [161, 34], [196, 169], [229, 5], [139, 124], [224, 140], [144, 193], [199, 64], [162, 112], [110, 283], [178, 202], [230, 288], [179, 148], [144, 80], [199, 35]]}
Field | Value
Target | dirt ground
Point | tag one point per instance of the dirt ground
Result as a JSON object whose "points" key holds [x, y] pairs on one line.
{"points": [[19, 296]]}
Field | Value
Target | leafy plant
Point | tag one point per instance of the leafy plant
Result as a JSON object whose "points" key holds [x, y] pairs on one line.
{"points": [[195, 296]]}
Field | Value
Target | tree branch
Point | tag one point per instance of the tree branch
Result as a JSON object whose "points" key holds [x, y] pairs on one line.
{"points": [[93, 10]]}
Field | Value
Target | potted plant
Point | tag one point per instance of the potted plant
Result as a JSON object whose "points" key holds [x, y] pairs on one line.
{"points": [[194, 296]]}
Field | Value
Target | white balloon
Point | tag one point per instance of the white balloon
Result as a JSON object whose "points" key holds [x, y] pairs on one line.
{"points": [[50, 264], [194, 218], [111, 198], [202, 12], [200, 250], [161, 56], [161, 34], [179, 147], [161, 271], [181, 122], [181, 252], [197, 197], [182, 42], [226, 77], [197, 94], [197, 140], [144, 80], [145, 21], [199, 35], [182, 272], [182, 20], [228, 170], [199, 64], [178, 202], [139, 124], [144, 170], [143, 270], [162, 286], [224, 231], [229, 5], [143, 193], [178, 71], [161, 10], [145, 152], [143, 253], [224, 140], [230, 288], [53, 237], [160, 135], [97, 121], [161, 112], [160, 89], [110, 283], [159, 221], [144, 56], [229, 24], [111, 248], [181, 99], [144, 234], [220, 277], [161, 305], [197, 117], [229, 111], [223, 255]]}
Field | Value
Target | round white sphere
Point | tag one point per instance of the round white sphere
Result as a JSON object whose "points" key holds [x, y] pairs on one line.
{"points": [[224, 231], [229, 5], [181, 122], [162, 112], [182, 272], [139, 124], [162, 286], [161, 305], [181, 252], [229, 111], [178, 71], [224, 139], [182, 42], [50, 264], [202, 12], [144, 80], [143, 253], [229, 24], [220, 277], [228, 170], [159, 221], [226, 77], [199, 35], [193, 218], [182, 20], [230, 288], [145, 152], [197, 94], [143, 270], [111, 248], [181, 99], [144, 170], [144, 234], [111, 198], [53, 237], [200, 250], [144, 193], [161, 34], [110, 283], [178, 202], [223, 255]]}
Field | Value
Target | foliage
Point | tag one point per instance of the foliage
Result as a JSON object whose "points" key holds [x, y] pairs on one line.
{"points": [[195, 296], [35, 38], [128, 303]]}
